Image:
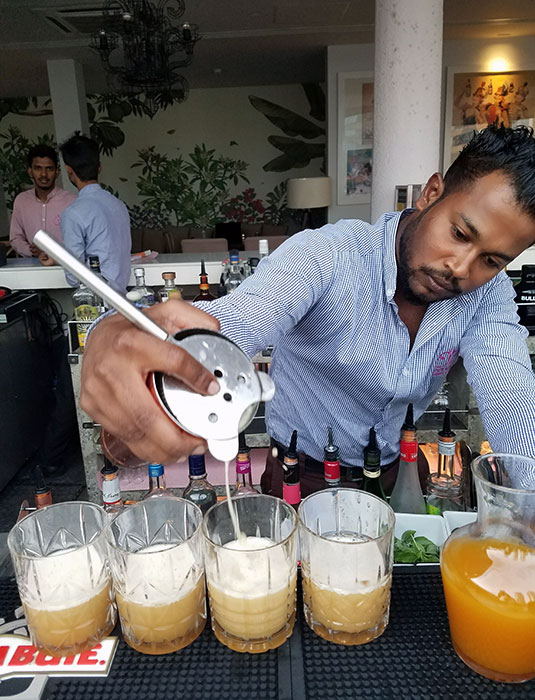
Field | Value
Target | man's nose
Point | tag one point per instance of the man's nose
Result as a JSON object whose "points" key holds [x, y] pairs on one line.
{"points": [[460, 266]]}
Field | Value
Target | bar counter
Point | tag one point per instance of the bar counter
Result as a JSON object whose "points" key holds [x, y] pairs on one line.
{"points": [[412, 660], [28, 273]]}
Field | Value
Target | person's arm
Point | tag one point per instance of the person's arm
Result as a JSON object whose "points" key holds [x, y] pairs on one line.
{"points": [[73, 234], [118, 357], [273, 300], [17, 237], [499, 371]]}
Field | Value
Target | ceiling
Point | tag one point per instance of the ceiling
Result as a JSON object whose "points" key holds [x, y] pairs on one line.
{"points": [[245, 42]]}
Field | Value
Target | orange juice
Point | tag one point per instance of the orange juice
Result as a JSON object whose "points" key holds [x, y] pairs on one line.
{"points": [[490, 595]]}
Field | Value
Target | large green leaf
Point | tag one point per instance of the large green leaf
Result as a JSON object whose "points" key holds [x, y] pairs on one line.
{"points": [[107, 135], [316, 99], [286, 120], [297, 154]]}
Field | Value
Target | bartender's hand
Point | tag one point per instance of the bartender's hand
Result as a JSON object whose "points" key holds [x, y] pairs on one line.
{"points": [[117, 360], [34, 250]]}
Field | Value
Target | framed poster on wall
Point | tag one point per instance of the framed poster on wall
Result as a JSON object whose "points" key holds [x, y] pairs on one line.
{"points": [[475, 99], [355, 137]]}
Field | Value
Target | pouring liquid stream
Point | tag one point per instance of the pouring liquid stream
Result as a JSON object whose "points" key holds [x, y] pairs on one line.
{"points": [[240, 536]]}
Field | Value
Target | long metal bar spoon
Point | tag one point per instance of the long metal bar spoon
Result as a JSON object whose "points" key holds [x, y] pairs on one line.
{"points": [[218, 419]]}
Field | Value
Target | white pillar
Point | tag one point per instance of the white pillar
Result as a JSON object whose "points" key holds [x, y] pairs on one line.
{"points": [[407, 96], [67, 90]]}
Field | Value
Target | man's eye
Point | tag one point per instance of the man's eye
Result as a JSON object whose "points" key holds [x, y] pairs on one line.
{"points": [[493, 263], [458, 234]]}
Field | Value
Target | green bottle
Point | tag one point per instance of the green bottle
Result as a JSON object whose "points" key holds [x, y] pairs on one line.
{"points": [[372, 468]]}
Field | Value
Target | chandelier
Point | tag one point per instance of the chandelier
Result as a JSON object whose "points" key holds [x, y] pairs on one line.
{"points": [[142, 48]]}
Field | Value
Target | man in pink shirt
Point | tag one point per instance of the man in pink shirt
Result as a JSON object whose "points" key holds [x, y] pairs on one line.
{"points": [[40, 207]]}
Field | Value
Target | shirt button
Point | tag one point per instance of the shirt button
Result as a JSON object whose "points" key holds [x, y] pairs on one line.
{"points": [[390, 292], [404, 371]]}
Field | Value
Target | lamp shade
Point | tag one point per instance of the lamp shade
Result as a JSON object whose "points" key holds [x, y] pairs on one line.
{"points": [[308, 192]]}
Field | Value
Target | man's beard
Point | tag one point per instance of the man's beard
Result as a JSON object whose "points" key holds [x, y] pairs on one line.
{"points": [[406, 273]]}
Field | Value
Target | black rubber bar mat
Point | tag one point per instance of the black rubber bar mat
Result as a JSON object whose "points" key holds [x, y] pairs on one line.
{"points": [[413, 660]]}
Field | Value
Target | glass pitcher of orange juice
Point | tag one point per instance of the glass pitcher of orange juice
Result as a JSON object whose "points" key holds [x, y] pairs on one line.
{"points": [[488, 572]]}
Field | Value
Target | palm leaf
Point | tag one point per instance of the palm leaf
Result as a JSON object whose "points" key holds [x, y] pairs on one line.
{"points": [[289, 122]]}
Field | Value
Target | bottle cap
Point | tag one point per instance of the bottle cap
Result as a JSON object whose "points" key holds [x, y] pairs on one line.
{"points": [[234, 256], [168, 275], [139, 271], [40, 485], [263, 246], [109, 469], [196, 465], [331, 452], [409, 419], [292, 450], [94, 261], [155, 469], [372, 453], [446, 431], [203, 269], [243, 448]]}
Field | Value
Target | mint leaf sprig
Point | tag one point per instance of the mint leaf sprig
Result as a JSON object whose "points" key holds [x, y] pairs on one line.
{"points": [[413, 550]]}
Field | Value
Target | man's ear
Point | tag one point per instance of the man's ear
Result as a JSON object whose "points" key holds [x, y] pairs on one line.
{"points": [[69, 170], [30, 173], [432, 191]]}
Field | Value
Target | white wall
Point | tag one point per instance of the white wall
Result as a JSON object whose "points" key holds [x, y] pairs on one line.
{"points": [[474, 54]]}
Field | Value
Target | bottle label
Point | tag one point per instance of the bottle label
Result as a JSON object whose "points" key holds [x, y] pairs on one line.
{"points": [[243, 467], [446, 448], [291, 493], [432, 510], [371, 474], [409, 451], [111, 493], [331, 470]]}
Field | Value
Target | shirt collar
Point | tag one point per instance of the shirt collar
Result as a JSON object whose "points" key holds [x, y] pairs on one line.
{"points": [[51, 195], [89, 188]]}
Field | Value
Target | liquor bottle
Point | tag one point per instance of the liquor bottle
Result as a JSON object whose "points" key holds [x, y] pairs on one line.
{"points": [[141, 295], [199, 490], [94, 264], [170, 290], [157, 483], [444, 490], [331, 463], [253, 264], [372, 468], [234, 276], [244, 480], [489, 89], [263, 248], [42, 494], [221, 288], [204, 287], [291, 486], [407, 496], [111, 491], [86, 310], [525, 298]]}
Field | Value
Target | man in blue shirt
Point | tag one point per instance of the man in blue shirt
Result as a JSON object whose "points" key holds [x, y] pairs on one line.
{"points": [[96, 223], [364, 319]]}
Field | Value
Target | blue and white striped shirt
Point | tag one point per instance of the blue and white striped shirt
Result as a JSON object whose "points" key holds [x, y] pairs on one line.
{"points": [[342, 357]]}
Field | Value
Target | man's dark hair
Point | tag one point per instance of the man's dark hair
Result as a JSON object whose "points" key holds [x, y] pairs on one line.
{"points": [[511, 150], [41, 150], [82, 155]]}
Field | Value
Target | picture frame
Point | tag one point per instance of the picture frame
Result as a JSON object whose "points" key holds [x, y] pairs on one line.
{"points": [[476, 98], [355, 137]]}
